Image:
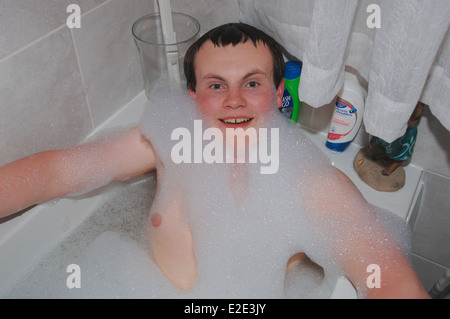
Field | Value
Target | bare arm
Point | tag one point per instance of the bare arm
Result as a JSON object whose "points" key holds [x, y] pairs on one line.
{"points": [[52, 174], [363, 241]]}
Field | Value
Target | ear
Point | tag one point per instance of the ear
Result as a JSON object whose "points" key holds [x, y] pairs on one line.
{"points": [[280, 93], [193, 94]]}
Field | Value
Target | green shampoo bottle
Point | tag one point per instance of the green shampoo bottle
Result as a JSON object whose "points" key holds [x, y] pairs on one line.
{"points": [[291, 102]]}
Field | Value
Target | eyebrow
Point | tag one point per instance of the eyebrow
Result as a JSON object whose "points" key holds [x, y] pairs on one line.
{"points": [[213, 76], [248, 75], [255, 72]]}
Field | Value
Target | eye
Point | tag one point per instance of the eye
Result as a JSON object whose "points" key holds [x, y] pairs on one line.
{"points": [[215, 86], [252, 84]]}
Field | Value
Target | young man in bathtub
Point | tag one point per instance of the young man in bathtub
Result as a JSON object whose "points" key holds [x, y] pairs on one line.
{"points": [[231, 79]]}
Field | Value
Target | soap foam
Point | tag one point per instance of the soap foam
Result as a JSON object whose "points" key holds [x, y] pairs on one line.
{"points": [[261, 220], [246, 225]]}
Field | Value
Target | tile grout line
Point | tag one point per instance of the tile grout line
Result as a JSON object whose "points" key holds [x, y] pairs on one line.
{"points": [[23, 48]]}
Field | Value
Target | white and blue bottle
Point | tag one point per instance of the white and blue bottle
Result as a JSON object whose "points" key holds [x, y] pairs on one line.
{"points": [[347, 116]]}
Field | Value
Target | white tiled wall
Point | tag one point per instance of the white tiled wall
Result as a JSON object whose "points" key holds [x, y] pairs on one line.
{"points": [[431, 232], [56, 83]]}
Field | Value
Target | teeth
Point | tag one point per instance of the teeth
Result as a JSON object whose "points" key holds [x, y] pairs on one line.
{"points": [[236, 121]]}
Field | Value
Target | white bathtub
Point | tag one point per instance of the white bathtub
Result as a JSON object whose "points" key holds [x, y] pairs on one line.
{"points": [[25, 239]]}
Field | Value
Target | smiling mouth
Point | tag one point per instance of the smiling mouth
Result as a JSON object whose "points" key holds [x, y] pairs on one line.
{"points": [[236, 120]]}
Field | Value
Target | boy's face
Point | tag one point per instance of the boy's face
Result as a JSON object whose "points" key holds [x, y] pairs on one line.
{"points": [[235, 85]]}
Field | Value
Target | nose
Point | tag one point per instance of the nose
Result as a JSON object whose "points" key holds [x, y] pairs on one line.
{"points": [[234, 98]]}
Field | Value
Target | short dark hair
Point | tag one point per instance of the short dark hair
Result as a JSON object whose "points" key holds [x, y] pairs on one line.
{"points": [[234, 33]]}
